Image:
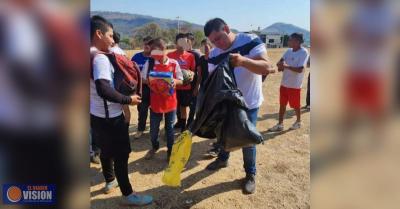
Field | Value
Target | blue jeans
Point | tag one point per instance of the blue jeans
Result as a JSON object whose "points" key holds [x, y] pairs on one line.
{"points": [[155, 119], [249, 153]]}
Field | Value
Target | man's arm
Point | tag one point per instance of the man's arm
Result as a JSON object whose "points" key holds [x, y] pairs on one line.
{"points": [[299, 69], [258, 65], [198, 81], [294, 69]]}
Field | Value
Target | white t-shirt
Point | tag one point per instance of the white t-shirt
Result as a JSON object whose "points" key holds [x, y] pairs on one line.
{"points": [[299, 58], [102, 69], [117, 50], [372, 22], [249, 83]]}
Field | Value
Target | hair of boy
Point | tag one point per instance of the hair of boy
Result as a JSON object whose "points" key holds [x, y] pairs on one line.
{"points": [[215, 24], [147, 39], [157, 43], [205, 41], [297, 36], [99, 23], [116, 37], [180, 35], [190, 36]]}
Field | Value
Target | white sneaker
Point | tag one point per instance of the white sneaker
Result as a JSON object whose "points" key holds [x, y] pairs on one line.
{"points": [[138, 134], [295, 126], [277, 127], [137, 200], [110, 186]]}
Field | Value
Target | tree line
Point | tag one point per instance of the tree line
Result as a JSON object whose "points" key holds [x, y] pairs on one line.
{"points": [[154, 30]]}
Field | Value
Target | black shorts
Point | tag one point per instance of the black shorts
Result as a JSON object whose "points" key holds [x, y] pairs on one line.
{"points": [[184, 97]]}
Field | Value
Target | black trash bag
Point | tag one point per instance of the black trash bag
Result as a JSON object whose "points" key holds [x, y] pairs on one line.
{"points": [[238, 131], [221, 111]]}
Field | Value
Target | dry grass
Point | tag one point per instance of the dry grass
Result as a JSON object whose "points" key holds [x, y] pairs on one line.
{"points": [[283, 177]]}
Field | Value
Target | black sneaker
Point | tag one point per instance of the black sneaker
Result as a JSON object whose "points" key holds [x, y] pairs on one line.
{"points": [[249, 184], [95, 159], [168, 157], [216, 165], [183, 125], [150, 154], [178, 124], [213, 152]]}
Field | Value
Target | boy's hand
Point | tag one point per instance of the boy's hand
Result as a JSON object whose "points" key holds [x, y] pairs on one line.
{"points": [[191, 76], [173, 84], [236, 59], [177, 82], [127, 115], [285, 65], [136, 99], [280, 66]]}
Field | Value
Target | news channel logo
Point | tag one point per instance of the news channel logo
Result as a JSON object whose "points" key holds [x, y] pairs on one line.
{"points": [[43, 194]]}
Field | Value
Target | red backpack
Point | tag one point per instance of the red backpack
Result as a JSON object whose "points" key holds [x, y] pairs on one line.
{"points": [[127, 79]]}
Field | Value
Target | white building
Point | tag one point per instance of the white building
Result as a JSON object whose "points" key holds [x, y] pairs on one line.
{"points": [[274, 41], [272, 38]]}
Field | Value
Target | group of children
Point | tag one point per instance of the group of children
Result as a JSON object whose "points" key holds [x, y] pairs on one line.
{"points": [[181, 104], [189, 69]]}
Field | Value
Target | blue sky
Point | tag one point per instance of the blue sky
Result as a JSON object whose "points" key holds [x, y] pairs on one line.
{"points": [[242, 15]]}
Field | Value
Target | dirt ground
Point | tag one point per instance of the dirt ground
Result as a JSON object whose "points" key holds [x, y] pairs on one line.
{"points": [[283, 165]]}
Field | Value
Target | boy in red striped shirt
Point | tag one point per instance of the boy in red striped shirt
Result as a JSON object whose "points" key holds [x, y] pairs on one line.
{"points": [[162, 104]]}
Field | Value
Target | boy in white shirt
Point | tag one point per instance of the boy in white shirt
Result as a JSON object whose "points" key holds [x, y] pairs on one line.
{"points": [[107, 122], [292, 65]]}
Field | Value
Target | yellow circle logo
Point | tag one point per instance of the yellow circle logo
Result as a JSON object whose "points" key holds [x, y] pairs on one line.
{"points": [[14, 194]]}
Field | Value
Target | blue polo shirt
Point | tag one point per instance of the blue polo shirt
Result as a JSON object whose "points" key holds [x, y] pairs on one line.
{"points": [[140, 59]]}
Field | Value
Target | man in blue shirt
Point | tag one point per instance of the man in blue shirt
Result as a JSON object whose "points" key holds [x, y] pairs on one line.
{"points": [[143, 108]]}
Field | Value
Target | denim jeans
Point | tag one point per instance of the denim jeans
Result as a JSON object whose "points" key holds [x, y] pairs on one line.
{"points": [[155, 119], [249, 153]]}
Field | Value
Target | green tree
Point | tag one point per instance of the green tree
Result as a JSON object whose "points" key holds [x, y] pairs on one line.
{"points": [[198, 37], [186, 28], [172, 32], [125, 43], [151, 29]]}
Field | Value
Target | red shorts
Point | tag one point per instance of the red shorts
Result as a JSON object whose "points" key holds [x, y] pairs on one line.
{"points": [[289, 95], [365, 90]]}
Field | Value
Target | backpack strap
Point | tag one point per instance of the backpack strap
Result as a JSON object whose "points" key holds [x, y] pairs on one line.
{"points": [[140, 82], [150, 67], [106, 109], [242, 50], [92, 55]]}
